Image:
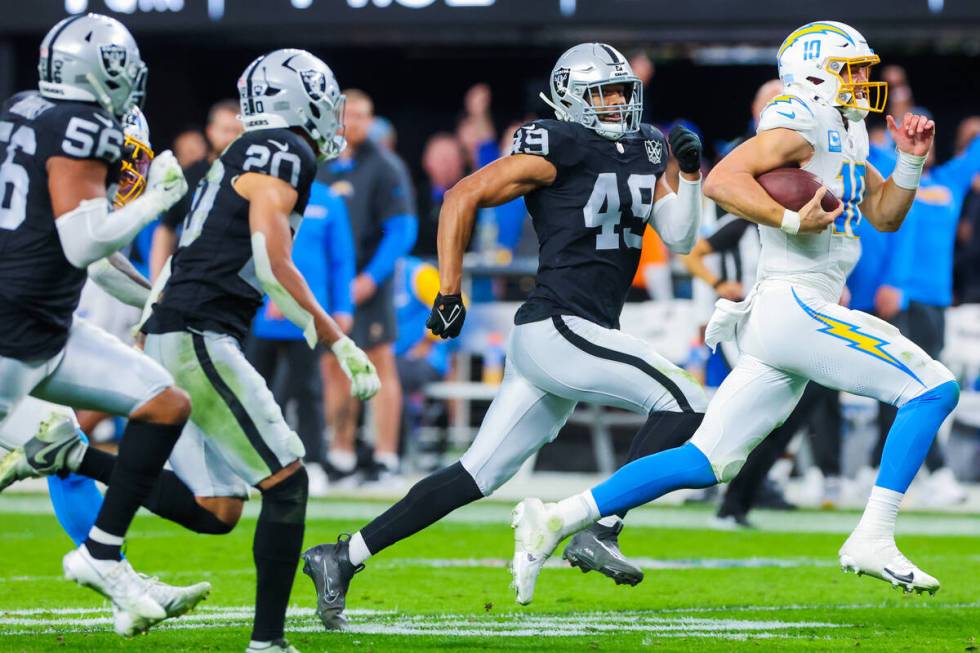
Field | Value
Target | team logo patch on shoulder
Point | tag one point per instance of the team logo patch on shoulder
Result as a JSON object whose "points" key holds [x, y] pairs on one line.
{"points": [[655, 151], [315, 84], [833, 140], [113, 59]]}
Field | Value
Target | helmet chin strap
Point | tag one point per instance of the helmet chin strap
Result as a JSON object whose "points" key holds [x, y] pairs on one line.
{"points": [[101, 95], [560, 113]]}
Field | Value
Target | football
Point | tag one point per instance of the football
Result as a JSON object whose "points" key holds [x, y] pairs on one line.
{"points": [[793, 187]]}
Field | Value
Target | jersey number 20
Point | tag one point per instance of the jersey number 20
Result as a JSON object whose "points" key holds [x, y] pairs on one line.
{"points": [[602, 209]]}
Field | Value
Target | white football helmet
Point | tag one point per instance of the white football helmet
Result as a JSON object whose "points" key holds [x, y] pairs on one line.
{"points": [[577, 82], [92, 58], [292, 88], [819, 59]]}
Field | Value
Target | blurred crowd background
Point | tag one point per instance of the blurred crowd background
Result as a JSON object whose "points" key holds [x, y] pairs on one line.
{"points": [[433, 95]]}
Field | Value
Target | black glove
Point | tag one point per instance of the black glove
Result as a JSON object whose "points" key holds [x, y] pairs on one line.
{"points": [[686, 148], [446, 319]]}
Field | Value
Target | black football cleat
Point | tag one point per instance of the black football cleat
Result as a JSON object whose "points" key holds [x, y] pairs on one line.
{"points": [[330, 569], [597, 549]]}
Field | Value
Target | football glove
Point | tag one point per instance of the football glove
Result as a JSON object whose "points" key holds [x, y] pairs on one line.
{"points": [[165, 180], [448, 313], [686, 148], [363, 377]]}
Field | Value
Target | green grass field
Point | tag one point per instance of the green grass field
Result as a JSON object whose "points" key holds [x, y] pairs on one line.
{"points": [[447, 588]]}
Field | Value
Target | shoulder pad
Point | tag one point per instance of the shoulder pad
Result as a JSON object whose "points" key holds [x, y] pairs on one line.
{"points": [[649, 132], [279, 153], [554, 140], [80, 131], [790, 112]]}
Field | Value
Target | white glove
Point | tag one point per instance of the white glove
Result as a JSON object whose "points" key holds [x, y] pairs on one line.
{"points": [[363, 377], [165, 180]]}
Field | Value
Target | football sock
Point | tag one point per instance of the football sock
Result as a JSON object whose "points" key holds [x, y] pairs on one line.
{"points": [[912, 434], [169, 498], [577, 512], [881, 512], [429, 500], [651, 477], [357, 551], [142, 453], [76, 501], [342, 461], [663, 430], [275, 549]]}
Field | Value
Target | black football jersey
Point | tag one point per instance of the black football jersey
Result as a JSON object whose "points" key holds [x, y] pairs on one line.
{"points": [[39, 288], [590, 221], [213, 284]]}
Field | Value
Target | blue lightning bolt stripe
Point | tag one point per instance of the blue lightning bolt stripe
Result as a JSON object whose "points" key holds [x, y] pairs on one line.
{"points": [[855, 338], [813, 28]]}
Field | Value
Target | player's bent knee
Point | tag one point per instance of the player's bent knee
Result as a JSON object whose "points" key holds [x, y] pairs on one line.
{"points": [[944, 396], [227, 511], [285, 502], [170, 406]]}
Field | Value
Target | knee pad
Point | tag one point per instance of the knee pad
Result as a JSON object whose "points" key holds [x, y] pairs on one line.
{"points": [[285, 502]]}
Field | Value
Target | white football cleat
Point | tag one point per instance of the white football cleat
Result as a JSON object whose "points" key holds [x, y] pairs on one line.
{"points": [[537, 531], [275, 646], [114, 579], [44, 454], [880, 558], [174, 600]]}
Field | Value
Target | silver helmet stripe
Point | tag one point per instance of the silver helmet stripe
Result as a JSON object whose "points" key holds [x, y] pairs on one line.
{"points": [[54, 37]]}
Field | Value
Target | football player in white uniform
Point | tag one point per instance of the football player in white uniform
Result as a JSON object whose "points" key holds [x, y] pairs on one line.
{"points": [[791, 328]]}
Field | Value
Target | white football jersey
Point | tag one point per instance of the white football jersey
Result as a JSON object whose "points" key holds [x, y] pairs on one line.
{"points": [[840, 151]]}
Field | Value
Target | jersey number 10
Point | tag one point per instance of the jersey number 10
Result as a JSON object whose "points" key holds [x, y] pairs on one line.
{"points": [[602, 209]]}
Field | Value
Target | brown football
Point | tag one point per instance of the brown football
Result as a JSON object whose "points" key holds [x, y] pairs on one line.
{"points": [[793, 187]]}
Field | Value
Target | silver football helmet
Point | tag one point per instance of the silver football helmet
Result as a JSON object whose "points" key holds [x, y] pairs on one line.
{"points": [[92, 58], [292, 88], [577, 90]]}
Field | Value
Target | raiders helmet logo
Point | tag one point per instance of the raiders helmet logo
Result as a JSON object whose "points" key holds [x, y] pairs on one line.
{"points": [[315, 84], [561, 80], [113, 59], [655, 151]]}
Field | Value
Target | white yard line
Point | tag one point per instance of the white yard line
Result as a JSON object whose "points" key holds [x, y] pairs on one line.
{"points": [[498, 514]]}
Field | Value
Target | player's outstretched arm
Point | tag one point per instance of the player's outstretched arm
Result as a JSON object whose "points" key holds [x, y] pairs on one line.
{"points": [[271, 201], [732, 182], [117, 276], [82, 211], [886, 202], [491, 185]]}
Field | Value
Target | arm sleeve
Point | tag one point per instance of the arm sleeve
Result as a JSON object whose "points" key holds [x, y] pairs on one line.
{"points": [[399, 237], [677, 216], [728, 235], [117, 276], [790, 112], [341, 253]]}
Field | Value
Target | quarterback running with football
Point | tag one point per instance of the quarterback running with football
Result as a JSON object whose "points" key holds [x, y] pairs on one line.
{"points": [[791, 329], [593, 179]]}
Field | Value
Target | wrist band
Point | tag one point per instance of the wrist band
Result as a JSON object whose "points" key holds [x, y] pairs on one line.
{"points": [[791, 222], [907, 171]]}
